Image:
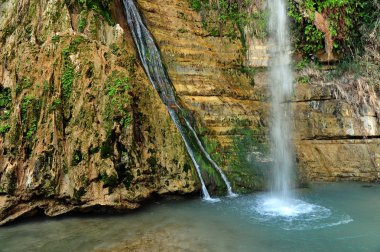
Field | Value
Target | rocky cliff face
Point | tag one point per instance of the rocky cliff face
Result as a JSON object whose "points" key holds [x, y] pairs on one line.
{"points": [[335, 139], [82, 127]]}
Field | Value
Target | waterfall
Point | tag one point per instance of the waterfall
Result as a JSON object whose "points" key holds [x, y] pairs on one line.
{"points": [[281, 87], [151, 60]]}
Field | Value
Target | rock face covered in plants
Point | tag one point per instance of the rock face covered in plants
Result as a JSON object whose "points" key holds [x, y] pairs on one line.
{"points": [[81, 127]]}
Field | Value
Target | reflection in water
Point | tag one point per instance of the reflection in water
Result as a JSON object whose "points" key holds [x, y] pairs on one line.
{"points": [[346, 223]]}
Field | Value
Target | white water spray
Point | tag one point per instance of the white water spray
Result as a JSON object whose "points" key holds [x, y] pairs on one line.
{"points": [[281, 202], [281, 86]]}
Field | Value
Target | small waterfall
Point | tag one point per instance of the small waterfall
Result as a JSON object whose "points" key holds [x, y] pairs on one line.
{"points": [[281, 85], [151, 60]]}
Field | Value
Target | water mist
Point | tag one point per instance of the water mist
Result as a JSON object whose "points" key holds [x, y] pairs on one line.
{"points": [[281, 87]]}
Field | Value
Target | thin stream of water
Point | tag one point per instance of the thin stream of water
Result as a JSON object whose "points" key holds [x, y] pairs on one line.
{"points": [[152, 63]]}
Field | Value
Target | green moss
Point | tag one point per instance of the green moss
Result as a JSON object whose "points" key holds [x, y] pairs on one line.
{"points": [[186, 167], [82, 24], [31, 131], [5, 97], [124, 175], [101, 7], [77, 158], [5, 103], [109, 181], [247, 170], [55, 104], [116, 108], [68, 70], [114, 48], [4, 129], [30, 109], [106, 150], [152, 161], [55, 39], [23, 84], [229, 17], [78, 194]]}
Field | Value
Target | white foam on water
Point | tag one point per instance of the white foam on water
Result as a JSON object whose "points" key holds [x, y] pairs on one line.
{"points": [[210, 200], [275, 206], [287, 214], [295, 214]]}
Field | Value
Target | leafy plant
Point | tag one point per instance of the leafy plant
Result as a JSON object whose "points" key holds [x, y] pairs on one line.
{"points": [[101, 7], [343, 16], [4, 128], [230, 17], [55, 38], [117, 87], [109, 181], [82, 24]]}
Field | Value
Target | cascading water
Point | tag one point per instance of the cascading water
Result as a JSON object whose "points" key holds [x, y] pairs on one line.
{"points": [[152, 63], [281, 205], [281, 86]]}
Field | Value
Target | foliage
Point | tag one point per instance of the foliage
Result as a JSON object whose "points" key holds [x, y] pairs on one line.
{"points": [[344, 17], [30, 112], [230, 17], [78, 194], [109, 181], [55, 38], [4, 129], [55, 104], [24, 83], [117, 87], [82, 24], [77, 158], [228, 12], [68, 71], [101, 7], [5, 103]]}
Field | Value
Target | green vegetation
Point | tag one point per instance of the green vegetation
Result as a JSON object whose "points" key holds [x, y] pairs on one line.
{"points": [[230, 17], [4, 129], [109, 181], [68, 71], [5, 103], [183, 30], [78, 194], [345, 17], [55, 104], [55, 38], [114, 48], [82, 24], [106, 149], [117, 87], [24, 83], [77, 158], [223, 16], [247, 160], [30, 112], [101, 7]]}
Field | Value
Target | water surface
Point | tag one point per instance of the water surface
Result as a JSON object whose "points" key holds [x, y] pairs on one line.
{"points": [[336, 217]]}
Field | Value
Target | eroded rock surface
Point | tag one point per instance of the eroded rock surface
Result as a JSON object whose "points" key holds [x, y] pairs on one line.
{"points": [[82, 127]]}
